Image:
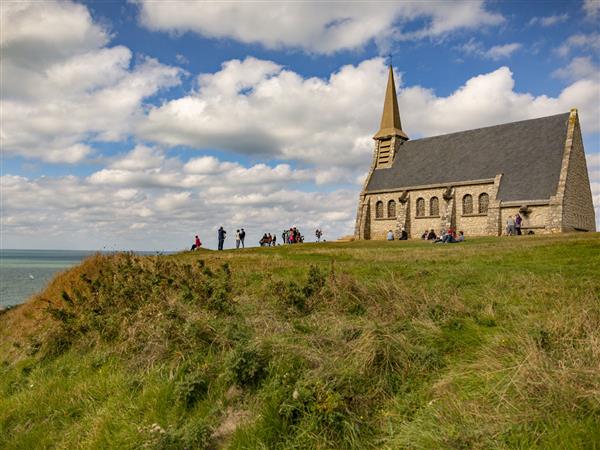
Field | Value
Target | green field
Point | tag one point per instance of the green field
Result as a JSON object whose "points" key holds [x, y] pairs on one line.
{"points": [[492, 343]]}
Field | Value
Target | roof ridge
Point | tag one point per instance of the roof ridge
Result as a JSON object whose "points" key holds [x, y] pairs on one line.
{"points": [[489, 126]]}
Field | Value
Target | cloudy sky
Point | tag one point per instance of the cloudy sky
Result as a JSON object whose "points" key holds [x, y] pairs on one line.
{"points": [[135, 125]]}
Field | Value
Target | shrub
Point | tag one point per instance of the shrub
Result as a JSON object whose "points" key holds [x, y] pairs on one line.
{"points": [[247, 366], [298, 296], [191, 389]]}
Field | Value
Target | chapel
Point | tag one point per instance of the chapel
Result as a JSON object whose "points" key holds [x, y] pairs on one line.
{"points": [[473, 180]]}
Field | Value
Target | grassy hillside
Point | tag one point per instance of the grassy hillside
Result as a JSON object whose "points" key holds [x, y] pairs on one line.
{"points": [[494, 343]]}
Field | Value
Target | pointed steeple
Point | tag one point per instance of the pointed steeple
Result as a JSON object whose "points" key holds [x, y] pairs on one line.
{"points": [[390, 119]]}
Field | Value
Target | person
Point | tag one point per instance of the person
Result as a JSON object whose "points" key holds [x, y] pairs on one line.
{"points": [[221, 237], [424, 235], [431, 236], [285, 236], [450, 239], [274, 239], [390, 235], [510, 226], [198, 244], [318, 234], [442, 237], [403, 235], [238, 239], [518, 220], [242, 237]]}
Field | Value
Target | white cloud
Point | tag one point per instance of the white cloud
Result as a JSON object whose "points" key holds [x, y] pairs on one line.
{"points": [[593, 165], [41, 33], [329, 123], [591, 9], [100, 212], [181, 59], [257, 107], [548, 21], [497, 52], [580, 41], [140, 158], [323, 27], [502, 51], [490, 99], [579, 68], [61, 87]]}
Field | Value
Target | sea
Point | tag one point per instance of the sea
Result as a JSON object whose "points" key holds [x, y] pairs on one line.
{"points": [[26, 272]]}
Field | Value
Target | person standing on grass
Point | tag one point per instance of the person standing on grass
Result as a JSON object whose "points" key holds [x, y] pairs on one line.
{"points": [[197, 243], [221, 237], [242, 237], [518, 221], [318, 234], [510, 226], [238, 239]]}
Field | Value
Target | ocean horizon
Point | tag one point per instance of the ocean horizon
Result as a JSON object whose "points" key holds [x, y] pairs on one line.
{"points": [[25, 272]]}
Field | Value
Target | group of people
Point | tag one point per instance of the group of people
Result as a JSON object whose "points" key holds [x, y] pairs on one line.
{"points": [[268, 240], [513, 225], [292, 236], [445, 237]]}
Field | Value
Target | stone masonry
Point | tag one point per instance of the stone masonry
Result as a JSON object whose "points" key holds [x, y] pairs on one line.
{"points": [[570, 208]]}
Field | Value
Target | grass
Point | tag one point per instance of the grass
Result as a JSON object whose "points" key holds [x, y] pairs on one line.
{"points": [[494, 343]]}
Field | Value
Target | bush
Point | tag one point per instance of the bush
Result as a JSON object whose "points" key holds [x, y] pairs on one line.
{"points": [[191, 389], [248, 366], [299, 296]]}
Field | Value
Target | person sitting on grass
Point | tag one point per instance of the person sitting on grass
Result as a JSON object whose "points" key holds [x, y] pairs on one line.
{"points": [[449, 239], [441, 237], [390, 235], [197, 244], [403, 235], [431, 235], [263, 241]]}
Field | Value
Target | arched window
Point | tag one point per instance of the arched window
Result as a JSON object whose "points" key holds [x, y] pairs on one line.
{"points": [[484, 201], [420, 207], [434, 207], [391, 208], [468, 204], [379, 210]]}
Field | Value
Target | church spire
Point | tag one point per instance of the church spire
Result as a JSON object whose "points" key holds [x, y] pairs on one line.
{"points": [[390, 119]]}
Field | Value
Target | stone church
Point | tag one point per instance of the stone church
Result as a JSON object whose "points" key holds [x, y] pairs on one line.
{"points": [[473, 180]]}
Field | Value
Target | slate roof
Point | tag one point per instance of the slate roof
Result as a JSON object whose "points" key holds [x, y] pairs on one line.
{"points": [[528, 154]]}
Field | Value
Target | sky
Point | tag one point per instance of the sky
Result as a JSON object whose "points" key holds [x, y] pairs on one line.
{"points": [[137, 125]]}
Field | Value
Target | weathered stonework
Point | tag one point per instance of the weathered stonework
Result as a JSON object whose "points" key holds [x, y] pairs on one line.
{"points": [[570, 208], [578, 210]]}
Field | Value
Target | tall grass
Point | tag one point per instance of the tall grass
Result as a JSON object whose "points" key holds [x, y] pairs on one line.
{"points": [[491, 344]]}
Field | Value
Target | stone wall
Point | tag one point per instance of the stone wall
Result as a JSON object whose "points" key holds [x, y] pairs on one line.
{"points": [[578, 208], [380, 227], [537, 220], [472, 224]]}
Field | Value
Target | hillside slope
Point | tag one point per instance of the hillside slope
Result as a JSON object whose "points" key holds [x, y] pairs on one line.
{"points": [[494, 343]]}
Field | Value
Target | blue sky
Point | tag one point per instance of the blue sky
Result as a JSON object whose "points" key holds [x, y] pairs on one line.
{"points": [[136, 125]]}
